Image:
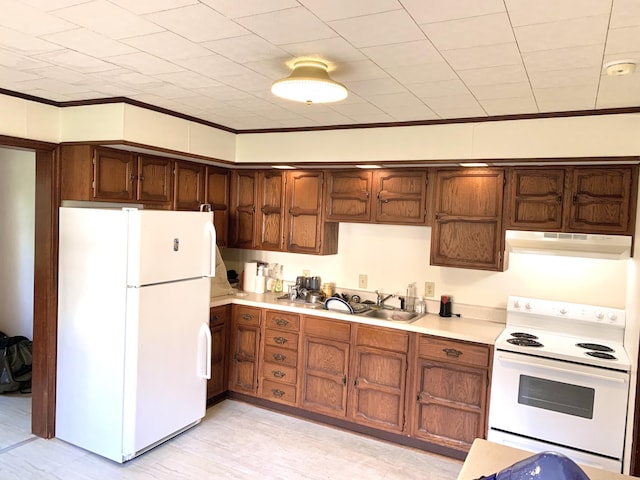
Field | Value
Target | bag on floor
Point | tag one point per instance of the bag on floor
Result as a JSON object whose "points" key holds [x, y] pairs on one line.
{"points": [[15, 364]]}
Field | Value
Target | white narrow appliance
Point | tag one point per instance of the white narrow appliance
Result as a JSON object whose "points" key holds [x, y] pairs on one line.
{"points": [[133, 327], [561, 381]]}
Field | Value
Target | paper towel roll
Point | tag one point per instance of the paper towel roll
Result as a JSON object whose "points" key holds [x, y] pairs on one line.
{"points": [[250, 272]]}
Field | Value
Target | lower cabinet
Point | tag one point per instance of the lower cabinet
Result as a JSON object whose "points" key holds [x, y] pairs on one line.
{"points": [[244, 349], [218, 325], [451, 392]]}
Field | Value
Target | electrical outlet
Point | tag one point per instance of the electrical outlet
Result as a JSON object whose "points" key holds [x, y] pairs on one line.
{"points": [[429, 289], [362, 281], [306, 273]]}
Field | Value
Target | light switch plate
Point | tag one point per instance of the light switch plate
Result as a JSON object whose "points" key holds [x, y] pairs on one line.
{"points": [[362, 281], [429, 289]]}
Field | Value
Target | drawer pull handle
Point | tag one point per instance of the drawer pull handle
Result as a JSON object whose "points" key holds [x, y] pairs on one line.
{"points": [[452, 352], [247, 316], [277, 392], [281, 322], [279, 357], [278, 373], [280, 340]]}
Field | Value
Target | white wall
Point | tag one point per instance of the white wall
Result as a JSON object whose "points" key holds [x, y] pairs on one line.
{"points": [[17, 223]]}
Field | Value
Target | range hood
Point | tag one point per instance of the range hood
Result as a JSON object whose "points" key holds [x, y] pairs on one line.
{"points": [[616, 247]]}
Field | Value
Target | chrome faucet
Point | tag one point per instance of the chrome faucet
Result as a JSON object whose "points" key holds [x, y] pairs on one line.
{"points": [[381, 298]]}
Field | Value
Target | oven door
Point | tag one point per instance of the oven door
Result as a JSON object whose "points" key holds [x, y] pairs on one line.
{"points": [[571, 405]]}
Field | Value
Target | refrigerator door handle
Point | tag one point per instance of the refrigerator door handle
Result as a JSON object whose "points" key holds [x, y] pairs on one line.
{"points": [[207, 354], [212, 232]]}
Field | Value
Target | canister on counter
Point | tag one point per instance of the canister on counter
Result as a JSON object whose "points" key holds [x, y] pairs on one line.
{"points": [[328, 289]]}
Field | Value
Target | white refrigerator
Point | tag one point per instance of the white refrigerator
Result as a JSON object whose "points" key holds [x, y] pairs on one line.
{"points": [[134, 343]]}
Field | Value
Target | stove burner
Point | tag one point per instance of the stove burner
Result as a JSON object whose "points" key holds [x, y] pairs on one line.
{"points": [[524, 335], [524, 342], [595, 346], [604, 356]]}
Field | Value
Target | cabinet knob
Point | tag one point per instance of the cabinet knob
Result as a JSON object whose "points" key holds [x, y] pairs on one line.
{"points": [[279, 357], [280, 340], [278, 373], [277, 392], [452, 352], [141, 177], [559, 198], [132, 177], [247, 316], [281, 322]]}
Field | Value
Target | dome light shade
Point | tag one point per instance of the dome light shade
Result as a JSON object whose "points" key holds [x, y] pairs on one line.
{"points": [[309, 83]]}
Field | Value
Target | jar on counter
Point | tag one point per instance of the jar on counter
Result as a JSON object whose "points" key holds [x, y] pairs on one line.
{"points": [[421, 306], [328, 289]]}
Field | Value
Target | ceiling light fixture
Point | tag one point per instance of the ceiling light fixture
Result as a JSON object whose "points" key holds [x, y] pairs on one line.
{"points": [[474, 164], [368, 166], [620, 67], [309, 83]]}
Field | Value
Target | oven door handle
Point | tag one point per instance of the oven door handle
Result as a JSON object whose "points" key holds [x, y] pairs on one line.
{"points": [[563, 370]]}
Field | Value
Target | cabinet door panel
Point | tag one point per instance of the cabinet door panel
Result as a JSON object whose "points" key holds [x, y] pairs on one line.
{"points": [[349, 196], [244, 196], [217, 195], [270, 216], [536, 199], [114, 175], [189, 186], [304, 210], [401, 197], [154, 179]]}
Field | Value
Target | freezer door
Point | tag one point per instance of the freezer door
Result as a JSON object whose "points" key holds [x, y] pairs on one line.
{"points": [[167, 353], [165, 246]]}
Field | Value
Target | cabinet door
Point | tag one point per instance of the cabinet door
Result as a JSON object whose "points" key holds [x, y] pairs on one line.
{"points": [[271, 210], [244, 195], [401, 197], [218, 324], [154, 179], [602, 200], [379, 381], [535, 199], [450, 404], [189, 186], [217, 195], [114, 174], [467, 228], [244, 348], [348, 196]]}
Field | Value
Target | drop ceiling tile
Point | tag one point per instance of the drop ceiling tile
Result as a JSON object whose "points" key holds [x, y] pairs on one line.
{"points": [[248, 81], [375, 117], [89, 42], [352, 109], [428, 72], [270, 68], [198, 23], [459, 106], [15, 76], [76, 61], [470, 32], [630, 55], [335, 50], [214, 66], [568, 98], [526, 12], [328, 118], [187, 79], [108, 19], [167, 45], [503, 90], [222, 93], [169, 91], [142, 7], [563, 78], [246, 48], [567, 33], [431, 11], [54, 85], [483, 56], [378, 86], [18, 61], [329, 10], [25, 44], [245, 8], [403, 54], [625, 13], [403, 106], [145, 63], [26, 19], [494, 75], [563, 58], [359, 70], [509, 106], [135, 80], [619, 91], [378, 29], [622, 40], [449, 88], [65, 75], [293, 25]]}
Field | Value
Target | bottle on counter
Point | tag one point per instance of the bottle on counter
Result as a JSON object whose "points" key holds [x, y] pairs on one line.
{"points": [[277, 284], [261, 280], [421, 306]]}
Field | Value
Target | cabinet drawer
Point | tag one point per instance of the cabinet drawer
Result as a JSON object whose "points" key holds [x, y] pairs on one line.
{"points": [[325, 328], [451, 351], [280, 355], [247, 315], [281, 338], [280, 373], [283, 320], [218, 315], [385, 338], [278, 392]]}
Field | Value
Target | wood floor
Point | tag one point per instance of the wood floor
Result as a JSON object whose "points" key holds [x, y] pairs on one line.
{"points": [[234, 441]]}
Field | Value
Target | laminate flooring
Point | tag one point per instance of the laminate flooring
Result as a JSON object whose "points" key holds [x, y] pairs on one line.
{"points": [[234, 441]]}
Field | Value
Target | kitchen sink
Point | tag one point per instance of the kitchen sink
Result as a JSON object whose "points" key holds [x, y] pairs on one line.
{"points": [[392, 315]]}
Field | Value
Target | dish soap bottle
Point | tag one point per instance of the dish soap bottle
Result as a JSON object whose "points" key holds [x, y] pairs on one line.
{"points": [[277, 286]]}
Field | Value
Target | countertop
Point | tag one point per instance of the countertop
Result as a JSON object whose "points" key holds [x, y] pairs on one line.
{"points": [[486, 458], [459, 328]]}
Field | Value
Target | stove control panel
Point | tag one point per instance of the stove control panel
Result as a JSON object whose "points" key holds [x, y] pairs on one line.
{"points": [[571, 311]]}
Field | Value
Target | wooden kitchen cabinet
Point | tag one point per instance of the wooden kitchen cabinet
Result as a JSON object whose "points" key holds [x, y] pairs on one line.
{"points": [[242, 216], [244, 349], [218, 326], [279, 367], [114, 176], [217, 195], [467, 226], [188, 186], [378, 377], [572, 199], [270, 214], [382, 196], [450, 391], [325, 366], [155, 180]]}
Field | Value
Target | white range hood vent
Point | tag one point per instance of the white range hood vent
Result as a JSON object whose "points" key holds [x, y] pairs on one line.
{"points": [[616, 247]]}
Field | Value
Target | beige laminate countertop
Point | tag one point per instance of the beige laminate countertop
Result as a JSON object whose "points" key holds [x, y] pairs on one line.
{"points": [[486, 458], [459, 328]]}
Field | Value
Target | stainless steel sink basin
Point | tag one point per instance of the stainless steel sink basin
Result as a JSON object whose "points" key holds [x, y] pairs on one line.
{"points": [[392, 315]]}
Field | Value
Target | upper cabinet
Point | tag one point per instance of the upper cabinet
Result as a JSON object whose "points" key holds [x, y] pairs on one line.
{"points": [[467, 225], [270, 213], [380, 196], [242, 205], [155, 179], [189, 186], [572, 199], [114, 175], [218, 181]]}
